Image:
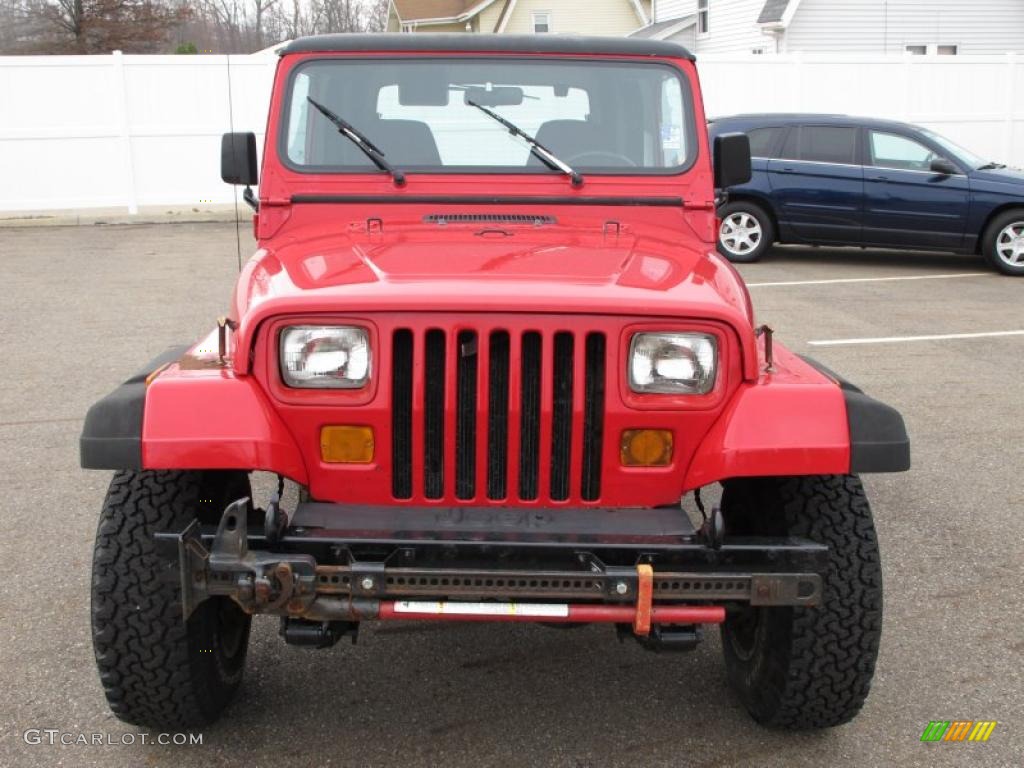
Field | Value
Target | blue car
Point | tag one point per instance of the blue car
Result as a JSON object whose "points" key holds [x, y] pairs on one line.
{"points": [[848, 181]]}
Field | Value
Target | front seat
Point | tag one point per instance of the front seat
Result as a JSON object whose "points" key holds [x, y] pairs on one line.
{"points": [[571, 138], [405, 142]]}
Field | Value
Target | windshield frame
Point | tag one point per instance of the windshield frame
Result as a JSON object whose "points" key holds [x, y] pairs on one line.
{"points": [[686, 91]]}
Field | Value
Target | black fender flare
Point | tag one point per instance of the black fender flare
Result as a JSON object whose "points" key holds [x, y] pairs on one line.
{"points": [[112, 433], [878, 436]]}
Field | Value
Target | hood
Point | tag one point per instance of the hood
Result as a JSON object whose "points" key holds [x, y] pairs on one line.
{"points": [[1011, 178], [576, 266], [543, 253]]}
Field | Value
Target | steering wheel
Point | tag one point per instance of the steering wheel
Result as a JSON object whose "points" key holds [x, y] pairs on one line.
{"points": [[601, 153]]}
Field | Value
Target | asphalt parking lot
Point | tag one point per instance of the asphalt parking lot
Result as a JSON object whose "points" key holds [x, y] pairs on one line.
{"points": [[82, 307]]}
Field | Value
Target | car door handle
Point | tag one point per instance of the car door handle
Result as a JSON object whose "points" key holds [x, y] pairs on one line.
{"points": [[880, 177], [785, 169]]}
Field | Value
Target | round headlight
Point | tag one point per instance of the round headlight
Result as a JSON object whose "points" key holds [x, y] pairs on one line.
{"points": [[673, 363], [325, 357]]}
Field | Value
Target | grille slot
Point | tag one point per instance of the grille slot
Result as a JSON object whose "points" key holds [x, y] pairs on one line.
{"points": [[465, 418], [401, 414], [529, 416], [593, 417], [529, 219], [561, 416], [497, 416], [447, 386], [433, 416]]}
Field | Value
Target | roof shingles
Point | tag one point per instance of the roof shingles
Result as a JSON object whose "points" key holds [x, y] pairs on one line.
{"points": [[772, 11], [659, 29], [411, 10]]}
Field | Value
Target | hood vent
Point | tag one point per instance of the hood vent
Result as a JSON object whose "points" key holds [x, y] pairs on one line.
{"points": [[522, 219]]}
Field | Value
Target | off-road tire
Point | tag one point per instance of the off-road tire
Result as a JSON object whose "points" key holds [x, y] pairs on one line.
{"points": [[989, 246], [157, 671], [804, 668]]}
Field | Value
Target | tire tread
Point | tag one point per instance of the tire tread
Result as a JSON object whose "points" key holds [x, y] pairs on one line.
{"points": [[822, 659], [145, 653]]}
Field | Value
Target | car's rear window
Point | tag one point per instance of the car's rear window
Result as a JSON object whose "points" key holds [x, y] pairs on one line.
{"points": [[613, 116], [763, 140], [821, 143]]}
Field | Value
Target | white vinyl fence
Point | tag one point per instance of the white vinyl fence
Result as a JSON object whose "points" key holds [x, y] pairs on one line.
{"points": [[977, 101], [124, 131]]}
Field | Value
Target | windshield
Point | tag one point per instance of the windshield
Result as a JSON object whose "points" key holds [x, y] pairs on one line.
{"points": [[614, 117], [956, 150]]}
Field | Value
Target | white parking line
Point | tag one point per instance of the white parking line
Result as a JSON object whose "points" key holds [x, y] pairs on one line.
{"points": [[871, 279], [898, 339]]}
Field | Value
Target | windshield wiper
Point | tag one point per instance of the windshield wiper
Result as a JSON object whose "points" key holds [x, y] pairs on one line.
{"points": [[539, 150], [369, 149], [991, 166]]}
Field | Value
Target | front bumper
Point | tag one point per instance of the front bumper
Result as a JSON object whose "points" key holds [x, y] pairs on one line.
{"points": [[331, 563]]}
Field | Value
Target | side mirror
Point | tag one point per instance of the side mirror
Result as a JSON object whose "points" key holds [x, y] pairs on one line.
{"points": [[944, 166], [238, 158], [731, 158]]}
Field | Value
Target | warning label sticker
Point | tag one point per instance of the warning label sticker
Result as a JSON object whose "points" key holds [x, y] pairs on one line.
{"points": [[541, 610]]}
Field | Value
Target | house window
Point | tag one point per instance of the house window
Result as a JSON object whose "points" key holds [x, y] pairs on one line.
{"points": [[933, 50], [758, 50], [702, 16], [541, 21]]}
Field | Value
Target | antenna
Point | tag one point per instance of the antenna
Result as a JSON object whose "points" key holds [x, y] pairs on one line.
{"points": [[234, 189]]}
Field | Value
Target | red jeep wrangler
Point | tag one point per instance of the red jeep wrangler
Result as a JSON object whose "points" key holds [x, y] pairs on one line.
{"points": [[488, 336]]}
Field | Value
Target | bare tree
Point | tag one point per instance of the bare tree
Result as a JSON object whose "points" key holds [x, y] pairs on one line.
{"points": [[260, 9], [376, 16], [297, 19], [150, 26], [324, 16], [100, 26]]}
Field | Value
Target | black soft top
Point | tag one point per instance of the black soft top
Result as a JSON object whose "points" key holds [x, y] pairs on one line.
{"points": [[487, 43]]}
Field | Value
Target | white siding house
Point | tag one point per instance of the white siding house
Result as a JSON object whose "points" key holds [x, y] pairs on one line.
{"points": [[709, 26], [581, 17], [979, 27], [920, 27]]}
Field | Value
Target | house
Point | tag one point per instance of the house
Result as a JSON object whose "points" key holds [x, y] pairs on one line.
{"points": [[915, 27], [582, 17]]}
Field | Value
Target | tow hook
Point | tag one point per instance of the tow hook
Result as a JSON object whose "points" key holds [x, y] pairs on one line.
{"points": [[672, 638], [317, 634], [259, 581]]}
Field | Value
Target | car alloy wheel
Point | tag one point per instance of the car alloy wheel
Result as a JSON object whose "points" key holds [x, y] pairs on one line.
{"points": [[1010, 244], [740, 233]]}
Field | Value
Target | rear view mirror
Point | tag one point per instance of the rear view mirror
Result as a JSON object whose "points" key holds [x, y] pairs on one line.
{"points": [[238, 158], [495, 97], [944, 166], [731, 158]]}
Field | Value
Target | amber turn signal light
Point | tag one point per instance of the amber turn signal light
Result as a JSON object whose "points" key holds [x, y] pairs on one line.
{"points": [[646, 448], [346, 444]]}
